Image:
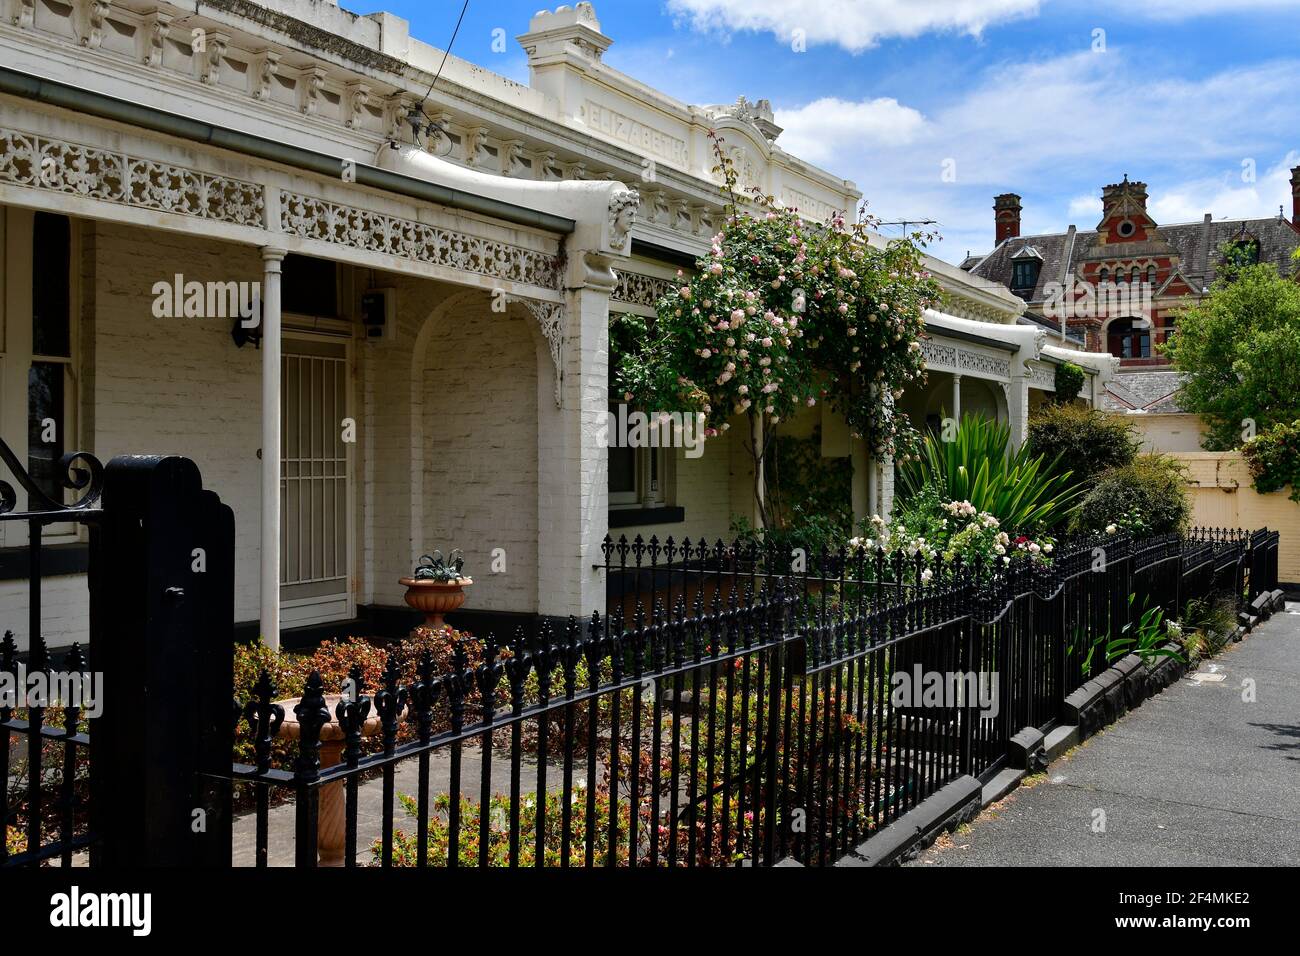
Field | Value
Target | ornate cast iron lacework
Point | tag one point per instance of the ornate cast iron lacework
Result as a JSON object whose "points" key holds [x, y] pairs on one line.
{"points": [[310, 218], [951, 358], [638, 289], [1042, 378], [979, 362], [27, 159], [550, 316]]}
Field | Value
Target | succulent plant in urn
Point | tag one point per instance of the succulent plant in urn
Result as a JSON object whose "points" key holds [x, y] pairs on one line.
{"points": [[437, 586]]}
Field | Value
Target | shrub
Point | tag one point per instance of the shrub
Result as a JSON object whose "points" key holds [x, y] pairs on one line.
{"points": [[934, 528], [1084, 441], [1150, 495], [1273, 457], [1069, 382], [1025, 492], [334, 660]]}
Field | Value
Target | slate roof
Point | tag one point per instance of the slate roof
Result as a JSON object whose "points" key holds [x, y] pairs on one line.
{"points": [[1148, 391], [1197, 245]]}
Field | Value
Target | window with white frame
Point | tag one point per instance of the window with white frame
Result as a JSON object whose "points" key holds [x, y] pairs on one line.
{"points": [[638, 477]]}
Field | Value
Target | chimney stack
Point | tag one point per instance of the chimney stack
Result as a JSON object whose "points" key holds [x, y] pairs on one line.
{"points": [[1006, 217], [1295, 197], [1123, 197]]}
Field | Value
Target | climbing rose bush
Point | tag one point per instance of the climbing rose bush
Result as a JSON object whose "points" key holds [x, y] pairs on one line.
{"points": [[782, 314]]}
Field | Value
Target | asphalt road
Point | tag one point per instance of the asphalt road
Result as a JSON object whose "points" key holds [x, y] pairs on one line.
{"points": [[1199, 775]]}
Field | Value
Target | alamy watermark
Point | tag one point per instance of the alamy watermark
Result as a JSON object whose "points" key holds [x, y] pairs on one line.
{"points": [[922, 688], [52, 688], [634, 429], [1077, 299], [179, 299]]}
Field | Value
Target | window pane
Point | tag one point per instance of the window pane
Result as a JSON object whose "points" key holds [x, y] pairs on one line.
{"points": [[309, 287], [45, 426], [51, 258], [622, 470]]}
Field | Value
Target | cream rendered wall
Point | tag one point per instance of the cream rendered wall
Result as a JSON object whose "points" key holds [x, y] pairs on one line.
{"points": [[703, 487], [1222, 497], [480, 410], [1169, 433]]}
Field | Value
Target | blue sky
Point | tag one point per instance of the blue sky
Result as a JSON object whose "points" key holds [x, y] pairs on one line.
{"points": [[1198, 98]]}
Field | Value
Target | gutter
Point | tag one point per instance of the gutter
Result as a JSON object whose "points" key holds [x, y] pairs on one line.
{"points": [[63, 96], [965, 336]]}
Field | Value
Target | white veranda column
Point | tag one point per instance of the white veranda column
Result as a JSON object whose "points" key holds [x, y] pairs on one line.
{"points": [[270, 590], [573, 480], [956, 399], [1018, 410]]}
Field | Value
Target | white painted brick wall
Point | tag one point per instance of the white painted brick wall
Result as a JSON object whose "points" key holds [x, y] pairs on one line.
{"points": [[480, 452], [476, 385], [163, 386]]}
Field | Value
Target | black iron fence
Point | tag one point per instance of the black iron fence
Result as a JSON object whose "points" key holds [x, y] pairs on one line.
{"points": [[161, 616], [730, 704]]}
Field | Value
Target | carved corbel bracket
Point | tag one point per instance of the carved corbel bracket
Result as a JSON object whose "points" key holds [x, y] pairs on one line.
{"points": [[210, 59], [24, 14], [88, 17], [264, 66], [473, 143], [309, 84], [153, 32], [358, 97]]}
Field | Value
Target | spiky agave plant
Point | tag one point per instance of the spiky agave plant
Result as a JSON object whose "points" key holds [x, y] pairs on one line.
{"points": [[1021, 490]]}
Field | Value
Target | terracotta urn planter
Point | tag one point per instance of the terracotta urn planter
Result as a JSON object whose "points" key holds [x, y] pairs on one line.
{"points": [[331, 832], [433, 599]]}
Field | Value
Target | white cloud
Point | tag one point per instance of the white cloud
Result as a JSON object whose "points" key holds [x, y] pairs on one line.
{"points": [[1034, 128], [1227, 197], [1084, 208], [814, 132], [855, 25], [1187, 9]]}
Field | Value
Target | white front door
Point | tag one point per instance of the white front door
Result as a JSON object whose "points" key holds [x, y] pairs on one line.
{"points": [[315, 552]]}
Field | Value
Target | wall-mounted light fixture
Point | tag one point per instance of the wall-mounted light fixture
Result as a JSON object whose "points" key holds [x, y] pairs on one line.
{"points": [[241, 334]]}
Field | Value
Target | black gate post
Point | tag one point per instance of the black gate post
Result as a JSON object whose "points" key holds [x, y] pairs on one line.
{"points": [[161, 621]]}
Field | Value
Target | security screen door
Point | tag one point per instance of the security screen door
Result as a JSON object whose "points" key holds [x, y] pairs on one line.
{"points": [[315, 553]]}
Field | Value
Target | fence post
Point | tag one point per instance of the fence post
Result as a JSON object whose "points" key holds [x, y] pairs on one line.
{"points": [[161, 583]]}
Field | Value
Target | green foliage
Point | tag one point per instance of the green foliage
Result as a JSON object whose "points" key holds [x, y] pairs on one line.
{"points": [[434, 567], [1273, 457], [1148, 496], [1082, 440], [498, 831], [802, 483], [932, 527], [334, 661], [1238, 349], [1208, 624], [1146, 639], [1023, 491], [1069, 382], [803, 529]]}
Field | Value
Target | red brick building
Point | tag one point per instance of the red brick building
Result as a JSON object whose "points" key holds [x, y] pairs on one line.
{"points": [[1121, 284]]}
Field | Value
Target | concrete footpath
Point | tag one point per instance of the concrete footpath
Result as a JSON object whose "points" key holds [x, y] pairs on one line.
{"points": [[1206, 773]]}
